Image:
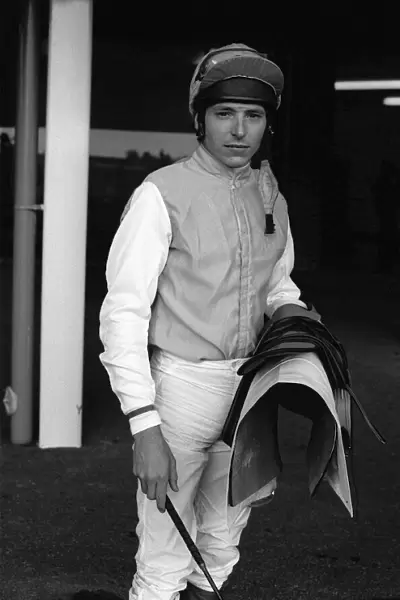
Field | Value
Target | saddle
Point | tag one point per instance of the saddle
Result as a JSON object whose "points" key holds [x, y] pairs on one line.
{"points": [[307, 346]]}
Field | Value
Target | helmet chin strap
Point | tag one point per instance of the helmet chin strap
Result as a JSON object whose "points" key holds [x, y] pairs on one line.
{"points": [[199, 125], [200, 131]]}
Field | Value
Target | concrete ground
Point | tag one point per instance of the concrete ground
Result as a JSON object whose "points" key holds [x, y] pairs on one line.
{"points": [[68, 516]]}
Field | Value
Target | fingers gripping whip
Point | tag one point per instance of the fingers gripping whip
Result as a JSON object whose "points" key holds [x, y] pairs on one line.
{"points": [[191, 546]]}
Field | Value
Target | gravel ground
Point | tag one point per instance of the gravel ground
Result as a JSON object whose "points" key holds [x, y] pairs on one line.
{"points": [[68, 516]]}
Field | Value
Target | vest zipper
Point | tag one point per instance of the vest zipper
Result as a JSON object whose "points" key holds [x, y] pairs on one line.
{"points": [[239, 230]]}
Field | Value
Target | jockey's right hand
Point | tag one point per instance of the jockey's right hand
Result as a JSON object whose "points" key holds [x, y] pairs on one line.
{"points": [[154, 465]]}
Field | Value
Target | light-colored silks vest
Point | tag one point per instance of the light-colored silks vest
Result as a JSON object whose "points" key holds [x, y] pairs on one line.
{"points": [[212, 293]]}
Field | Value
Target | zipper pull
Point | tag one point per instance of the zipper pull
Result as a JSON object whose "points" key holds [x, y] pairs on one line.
{"points": [[269, 223]]}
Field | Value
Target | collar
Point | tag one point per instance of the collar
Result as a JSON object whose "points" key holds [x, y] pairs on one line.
{"points": [[207, 162]]}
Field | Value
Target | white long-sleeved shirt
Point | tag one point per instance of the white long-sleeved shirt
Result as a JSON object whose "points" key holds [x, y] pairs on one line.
{"points": [[137, 257]]}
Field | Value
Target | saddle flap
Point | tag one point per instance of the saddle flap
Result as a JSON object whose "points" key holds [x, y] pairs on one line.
{"points": [[298, 384], [256, 460]]}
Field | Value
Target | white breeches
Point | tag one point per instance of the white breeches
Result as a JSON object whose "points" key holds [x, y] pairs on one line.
{"points": [[193, 400]]}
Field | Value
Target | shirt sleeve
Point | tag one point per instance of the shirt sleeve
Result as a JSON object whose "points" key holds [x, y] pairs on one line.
{"points": [[282, 289], [136, 259]]}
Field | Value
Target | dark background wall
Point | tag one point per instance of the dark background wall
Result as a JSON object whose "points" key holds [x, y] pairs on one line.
{"points": [[328, 146]]}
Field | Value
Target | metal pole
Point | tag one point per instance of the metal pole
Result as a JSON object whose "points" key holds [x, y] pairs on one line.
{"points": [[24, 227], [64, 228]]}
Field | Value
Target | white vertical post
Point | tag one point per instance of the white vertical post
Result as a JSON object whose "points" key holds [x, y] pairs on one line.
{"points": [[64, 229]]}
